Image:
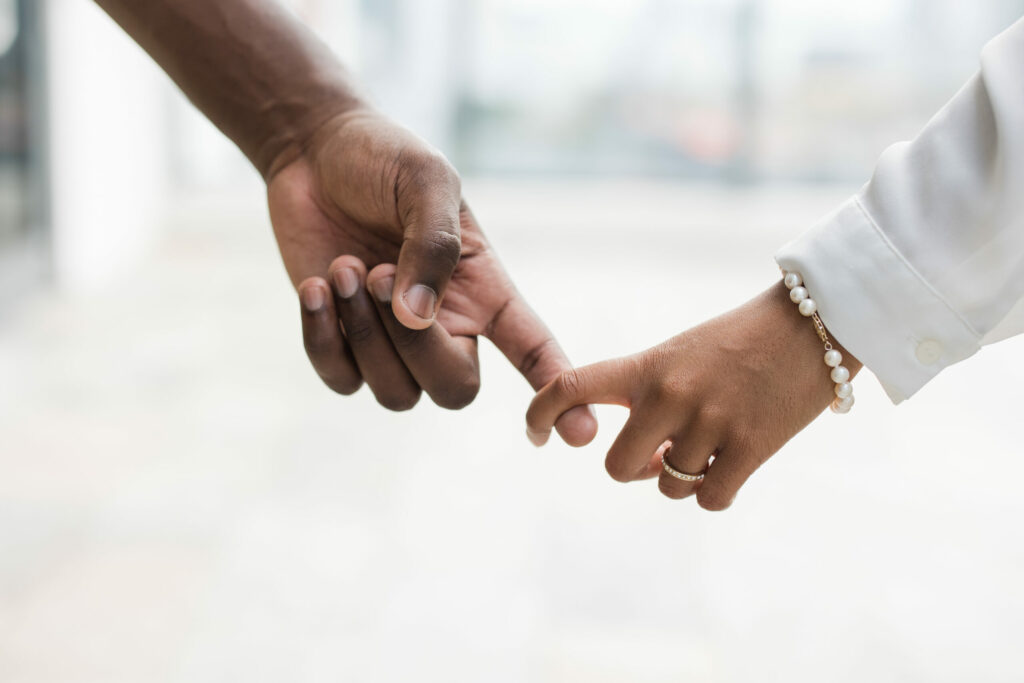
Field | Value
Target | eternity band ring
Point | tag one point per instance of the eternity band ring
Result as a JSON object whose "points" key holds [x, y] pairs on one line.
{"points": [[683, 476]]}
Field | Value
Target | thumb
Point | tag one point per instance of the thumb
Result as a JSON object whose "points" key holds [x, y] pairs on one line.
{"points": [[531, 348], [431, 249]]}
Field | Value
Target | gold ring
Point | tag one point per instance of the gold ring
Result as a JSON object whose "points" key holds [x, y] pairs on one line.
{"points": [[683, 476]]}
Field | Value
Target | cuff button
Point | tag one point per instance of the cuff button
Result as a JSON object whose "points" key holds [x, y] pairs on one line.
{"points": [[929, 352]]}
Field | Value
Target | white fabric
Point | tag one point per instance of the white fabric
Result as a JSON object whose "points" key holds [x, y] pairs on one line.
{"points": [[926, 263]]}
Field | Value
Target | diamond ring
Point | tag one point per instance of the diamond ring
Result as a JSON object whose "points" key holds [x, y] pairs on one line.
{"points": [[677, 474]]}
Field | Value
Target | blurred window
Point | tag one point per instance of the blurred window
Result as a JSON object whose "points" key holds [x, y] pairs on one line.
{"points": [[721, 90], [760, 89]]}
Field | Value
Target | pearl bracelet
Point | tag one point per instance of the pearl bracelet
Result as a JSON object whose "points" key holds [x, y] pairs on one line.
{"points": [[809, 309]]}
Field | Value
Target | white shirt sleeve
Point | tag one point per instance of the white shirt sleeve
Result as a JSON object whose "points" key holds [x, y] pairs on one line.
{"points": [[926, 263]]}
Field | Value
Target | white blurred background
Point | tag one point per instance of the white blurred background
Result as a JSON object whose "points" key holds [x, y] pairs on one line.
{"points": [[181, 500]]}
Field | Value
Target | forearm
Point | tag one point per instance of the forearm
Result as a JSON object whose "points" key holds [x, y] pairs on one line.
{"points": [[251, 67]]}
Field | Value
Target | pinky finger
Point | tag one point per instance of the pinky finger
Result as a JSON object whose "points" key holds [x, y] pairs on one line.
{"points": [[321, 335], [726, 474]]}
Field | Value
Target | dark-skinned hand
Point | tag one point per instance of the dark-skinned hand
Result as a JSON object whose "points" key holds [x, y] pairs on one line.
{"points": [[396, 279]]}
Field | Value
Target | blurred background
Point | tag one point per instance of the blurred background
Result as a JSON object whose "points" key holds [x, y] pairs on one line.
{"points": [[181, 500]]}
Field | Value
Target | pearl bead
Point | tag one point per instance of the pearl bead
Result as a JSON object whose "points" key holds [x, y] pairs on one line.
{"points": [[846, 402], [792, 280], [840, 374], [797, 294], [843, 390], [839, 408], [808, 308], [833, 358]]}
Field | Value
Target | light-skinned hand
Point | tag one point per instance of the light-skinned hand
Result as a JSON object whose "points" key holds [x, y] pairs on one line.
{"points": [[725, 395]]}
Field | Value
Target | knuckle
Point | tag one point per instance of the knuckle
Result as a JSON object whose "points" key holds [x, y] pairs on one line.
{"points": [[346, 261], [655, 362], [433, 166], [458, 396], [443, 245], [711, 414], [427, 170], [570, 384], [667, 389], [744, 444], [713, 499], [445, 173], [399, 402], [617, 469], [661, 391], [404, 338], [346, 386], [533, 358], [533, 416], [359, 332], [671, 490]]}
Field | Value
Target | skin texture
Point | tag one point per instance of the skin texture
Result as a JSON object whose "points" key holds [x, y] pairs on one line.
{"points": [[350, 194], [368, 206], [737, 387]]}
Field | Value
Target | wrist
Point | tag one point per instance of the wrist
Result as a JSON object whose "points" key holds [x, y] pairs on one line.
{"points": [[291, 128], [828, 363]]}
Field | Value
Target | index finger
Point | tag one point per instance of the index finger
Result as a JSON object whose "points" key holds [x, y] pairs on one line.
{"points": [[526, 341], [604, 382]]}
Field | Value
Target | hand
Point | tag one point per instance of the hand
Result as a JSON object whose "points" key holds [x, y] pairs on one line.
{"points": [[366, 194], [737, 388]]}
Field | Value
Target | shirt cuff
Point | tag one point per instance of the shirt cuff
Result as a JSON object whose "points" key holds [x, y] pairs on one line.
{"points": [[875, 304]]}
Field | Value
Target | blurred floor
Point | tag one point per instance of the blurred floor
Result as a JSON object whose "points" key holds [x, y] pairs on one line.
{"points": [[182, 501]]}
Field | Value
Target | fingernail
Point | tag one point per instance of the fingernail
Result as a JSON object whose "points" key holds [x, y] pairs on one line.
{"points": [[538, 439], [421, 300], [313, 298], [382, 289], [346, 281]]}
